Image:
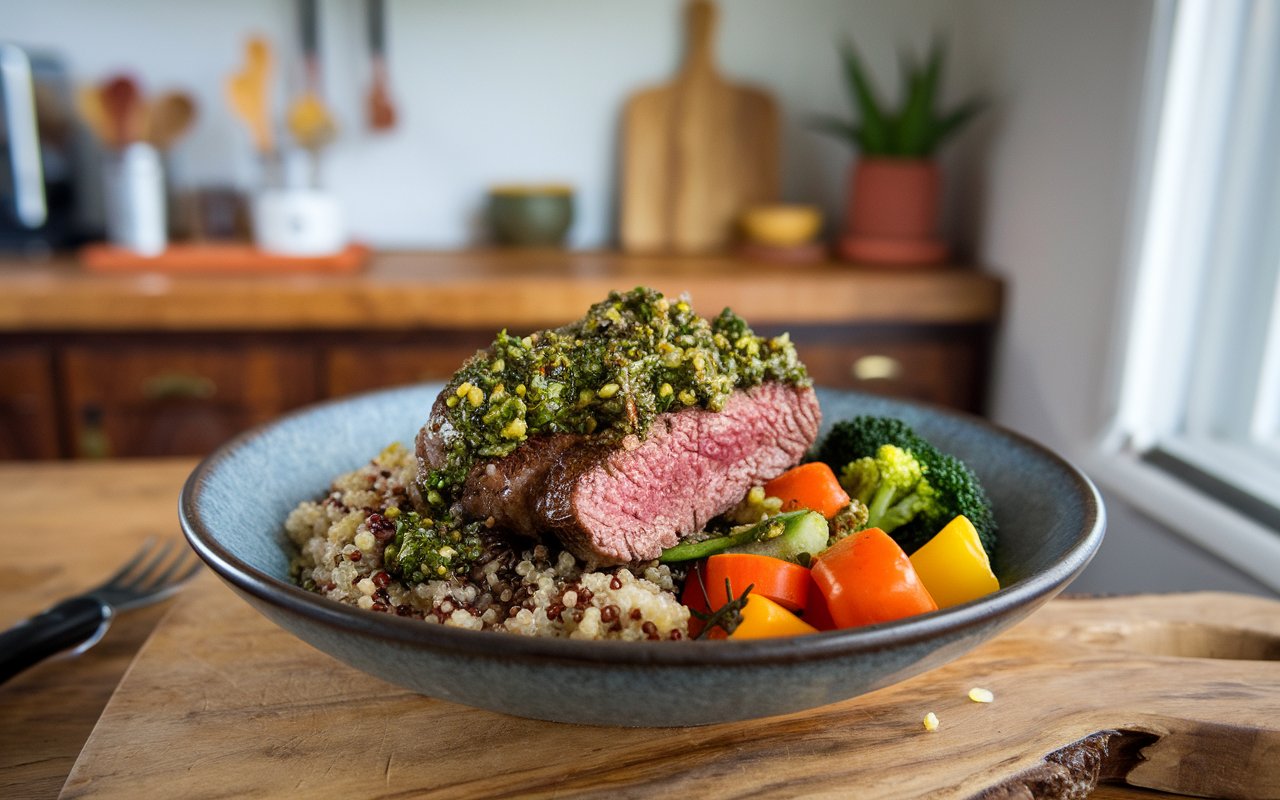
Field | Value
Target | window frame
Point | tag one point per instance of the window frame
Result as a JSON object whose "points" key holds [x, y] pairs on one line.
{"points": [[1189, 207]]}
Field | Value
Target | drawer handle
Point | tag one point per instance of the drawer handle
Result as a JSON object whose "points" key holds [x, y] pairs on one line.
{"points": [[93, 441], [179, 386], [876, 368]]}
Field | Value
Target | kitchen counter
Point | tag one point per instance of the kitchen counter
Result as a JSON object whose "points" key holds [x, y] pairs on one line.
{"points": [[74, 523], [486, 289]]}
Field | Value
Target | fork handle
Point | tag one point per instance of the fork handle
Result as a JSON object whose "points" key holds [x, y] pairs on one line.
{"points": [[68, 624]]}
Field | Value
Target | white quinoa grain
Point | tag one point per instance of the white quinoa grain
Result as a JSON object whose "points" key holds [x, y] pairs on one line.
{"points": [[512, 592], [981, 695]]}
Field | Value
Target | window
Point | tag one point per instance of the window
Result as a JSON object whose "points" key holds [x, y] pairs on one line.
{"points": [[1195, 436]]}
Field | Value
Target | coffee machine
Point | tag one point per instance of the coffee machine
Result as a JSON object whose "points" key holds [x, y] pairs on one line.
{"points": [[39, 196]]}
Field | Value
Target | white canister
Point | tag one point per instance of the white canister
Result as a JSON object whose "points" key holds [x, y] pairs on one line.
{"points": [[298, 222], [135, 200]]}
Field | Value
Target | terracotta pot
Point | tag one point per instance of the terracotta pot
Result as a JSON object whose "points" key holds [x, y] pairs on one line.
{"points": [[893, 212]]}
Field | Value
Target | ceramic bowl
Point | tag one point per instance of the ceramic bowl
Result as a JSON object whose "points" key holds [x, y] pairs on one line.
{"points": [[781, 225], [233, 506], [531, 216]]}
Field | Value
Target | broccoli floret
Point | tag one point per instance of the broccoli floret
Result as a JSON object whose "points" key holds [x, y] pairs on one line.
{"points": [[961, 493], [426, 549], [953, 489], [892, 486], [862, 436]]}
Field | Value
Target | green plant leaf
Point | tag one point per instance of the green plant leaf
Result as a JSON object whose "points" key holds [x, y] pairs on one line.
{"points": [[875, 131], [952, 122], [839, 128], [904, 122], [917, 117]]}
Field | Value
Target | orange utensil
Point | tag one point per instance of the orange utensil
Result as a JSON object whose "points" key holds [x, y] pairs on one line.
{"points": [[382, 113], [248, 92]]}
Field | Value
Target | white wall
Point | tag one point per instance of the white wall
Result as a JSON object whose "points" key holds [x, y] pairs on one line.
{"points": [[1051, 172], [489, 91]]}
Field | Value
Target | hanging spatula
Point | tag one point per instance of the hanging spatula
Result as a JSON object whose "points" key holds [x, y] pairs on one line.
{"points": [[309, 119], [382, 113], [248, 91]]}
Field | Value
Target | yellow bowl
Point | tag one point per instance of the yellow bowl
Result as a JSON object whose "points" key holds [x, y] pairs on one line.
{"points": [[781, 225]]}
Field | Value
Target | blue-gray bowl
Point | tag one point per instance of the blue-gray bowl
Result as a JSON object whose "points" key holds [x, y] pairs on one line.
{"points": [[233, 506]]}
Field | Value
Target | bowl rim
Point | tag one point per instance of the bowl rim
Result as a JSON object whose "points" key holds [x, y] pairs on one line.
{"points": [[1028, 592]]}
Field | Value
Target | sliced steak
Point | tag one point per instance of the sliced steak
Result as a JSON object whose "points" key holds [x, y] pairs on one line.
{"points": [[614, 504]]}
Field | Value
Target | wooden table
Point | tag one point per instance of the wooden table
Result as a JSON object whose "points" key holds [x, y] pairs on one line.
{"points": [[66, 526], [74, 523]]}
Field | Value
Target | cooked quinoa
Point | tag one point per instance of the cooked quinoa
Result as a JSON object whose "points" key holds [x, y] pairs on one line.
{"points": [[514, 585]]}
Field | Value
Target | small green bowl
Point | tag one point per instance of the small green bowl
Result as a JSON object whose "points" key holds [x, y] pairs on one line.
{"points": [[531, 215]]}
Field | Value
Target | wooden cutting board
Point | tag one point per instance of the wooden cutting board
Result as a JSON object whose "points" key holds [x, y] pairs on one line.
{"points": [[221, 703], [695, 152]]}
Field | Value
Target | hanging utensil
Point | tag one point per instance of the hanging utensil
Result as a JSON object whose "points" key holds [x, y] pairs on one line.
{"points": [[172, 115], [249, 95], [124, 108], [382, 113], [94, 115], [309, 119]]}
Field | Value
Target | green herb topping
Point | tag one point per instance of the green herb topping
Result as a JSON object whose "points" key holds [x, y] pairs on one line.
{"points": [[426, 549], [633, 356]]}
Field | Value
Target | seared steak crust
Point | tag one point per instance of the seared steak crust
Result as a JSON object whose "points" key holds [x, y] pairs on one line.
{"points": [[626, 502]]}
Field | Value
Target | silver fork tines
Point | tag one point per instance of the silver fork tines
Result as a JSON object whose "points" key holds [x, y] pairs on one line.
{"points": [[138, 583]]}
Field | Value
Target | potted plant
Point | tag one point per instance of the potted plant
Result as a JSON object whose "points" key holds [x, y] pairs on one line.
{"points": [[896, 184]]}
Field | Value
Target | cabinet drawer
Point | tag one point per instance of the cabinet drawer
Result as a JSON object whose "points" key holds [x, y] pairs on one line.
{"points": [[943, 370], [28, 406], [181, 400], [374, 365], [944, 367]]}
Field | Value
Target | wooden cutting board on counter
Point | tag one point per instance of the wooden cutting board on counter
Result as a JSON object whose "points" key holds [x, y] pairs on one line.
{"points": [[695, 152], [1179, 693]]}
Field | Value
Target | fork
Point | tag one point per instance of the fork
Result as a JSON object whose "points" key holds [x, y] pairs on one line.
{"points": [[79, 622]]}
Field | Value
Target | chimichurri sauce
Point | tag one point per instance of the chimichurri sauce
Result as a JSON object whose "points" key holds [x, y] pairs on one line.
{"points": [[632, 357]]}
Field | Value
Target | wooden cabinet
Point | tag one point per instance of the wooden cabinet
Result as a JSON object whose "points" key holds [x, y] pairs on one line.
{"points": [[375, 363], [185, 394], [125, 398], [28, 404], [941, 365]]}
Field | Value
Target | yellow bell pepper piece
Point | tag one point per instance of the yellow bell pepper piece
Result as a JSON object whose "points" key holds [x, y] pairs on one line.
{"points": [[762, 619], [953, 566]]}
